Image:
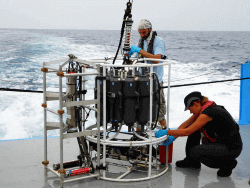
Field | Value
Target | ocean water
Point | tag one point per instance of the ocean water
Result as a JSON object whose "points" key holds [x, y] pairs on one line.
{"points": [[195, 57]]}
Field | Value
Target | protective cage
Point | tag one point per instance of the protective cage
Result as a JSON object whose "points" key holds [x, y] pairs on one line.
{"points": [[109, 163]]}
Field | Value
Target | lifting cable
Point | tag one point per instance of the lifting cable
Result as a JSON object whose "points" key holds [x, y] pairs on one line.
{"points": [[126, 14], [206, 82], [31, 91]]}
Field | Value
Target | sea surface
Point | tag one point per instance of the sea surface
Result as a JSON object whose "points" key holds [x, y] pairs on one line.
{"points": [[196, 56]]}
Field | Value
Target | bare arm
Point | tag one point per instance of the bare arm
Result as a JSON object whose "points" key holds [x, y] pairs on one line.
{"points": [[186, 128], [184, 125], [149, 55]]}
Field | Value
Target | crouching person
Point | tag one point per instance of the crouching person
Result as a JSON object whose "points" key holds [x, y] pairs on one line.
{"points": [[213, 124]]}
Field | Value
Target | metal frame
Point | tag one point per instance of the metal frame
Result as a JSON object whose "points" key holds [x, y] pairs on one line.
{"points": [[149, 141], [48, 96], [88, 132]]}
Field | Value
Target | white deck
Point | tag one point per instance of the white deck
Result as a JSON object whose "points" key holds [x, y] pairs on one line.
{"points": [[21, 166]]}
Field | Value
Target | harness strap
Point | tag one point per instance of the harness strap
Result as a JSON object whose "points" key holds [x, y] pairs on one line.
{"points": [[150, 46], [204, 132]]}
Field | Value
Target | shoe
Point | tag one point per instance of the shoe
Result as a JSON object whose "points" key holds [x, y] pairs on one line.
{"points": [[224, 172], [227, 171], [187, 164]]}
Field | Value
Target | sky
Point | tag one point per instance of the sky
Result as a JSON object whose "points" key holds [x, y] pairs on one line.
{"points": [[186, 15]]}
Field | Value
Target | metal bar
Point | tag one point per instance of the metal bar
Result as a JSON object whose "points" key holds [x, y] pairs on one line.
{"points": [[94, 109], [49, 71], [56, 61], [50, 96], [52, 111], [98, 122], [61, 129], [138, 65], [151, 111], [79, 134], [62, 65], [89, 62], [83, 99], [81, 74], [53, 125], [168, 104], [129, 143], [104, 119], [52, 68], [79, 103], [53, 171], [80, 178], [136, 180], [45, 130], [130, 169]]}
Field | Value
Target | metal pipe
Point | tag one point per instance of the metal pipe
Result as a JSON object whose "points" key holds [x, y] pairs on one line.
{"points": [[139, 65], [129, 143], [139, 179], [62, 65], [104, 119], [168, 104], [80, 178], [94, 109], [98, 121], [61, 128], [54, 62], [83, 98], [45, 128], [52, 111], [81, 74], [53, 171], [150, 115], [85, 62], [52, 68], [130, 169]]}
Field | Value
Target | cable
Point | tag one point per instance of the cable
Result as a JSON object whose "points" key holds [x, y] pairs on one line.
{"points": [[20, 90], [206, 82]]}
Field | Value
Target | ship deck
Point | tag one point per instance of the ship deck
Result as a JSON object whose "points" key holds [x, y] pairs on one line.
{"points": [[21, 166]]}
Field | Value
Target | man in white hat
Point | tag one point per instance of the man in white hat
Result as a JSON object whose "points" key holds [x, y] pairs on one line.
{"points": [[152, 46]]}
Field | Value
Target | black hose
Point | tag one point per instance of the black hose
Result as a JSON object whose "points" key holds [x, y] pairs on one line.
{"points": [[122, 32], [159, 103], [127, 13]]}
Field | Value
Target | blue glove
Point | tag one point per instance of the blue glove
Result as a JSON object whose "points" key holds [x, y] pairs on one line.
{"points": [[134, 49], [161, 133], [169, 141]]}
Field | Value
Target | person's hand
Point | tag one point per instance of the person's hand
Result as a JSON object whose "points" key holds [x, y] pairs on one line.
{"points": [[161, 133], [169, 141], [134, 49]]}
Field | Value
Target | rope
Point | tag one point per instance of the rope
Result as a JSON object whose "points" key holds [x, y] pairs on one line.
{"points": [[20, 90]]}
